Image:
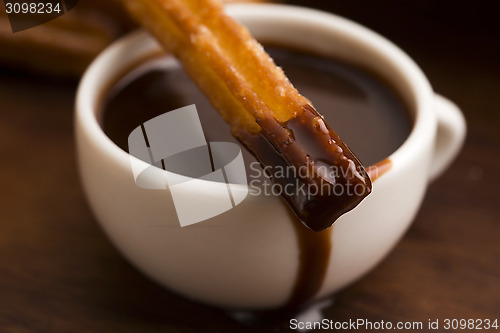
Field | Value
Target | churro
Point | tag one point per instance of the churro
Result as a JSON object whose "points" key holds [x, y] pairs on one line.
{"points": [[266, 113]]}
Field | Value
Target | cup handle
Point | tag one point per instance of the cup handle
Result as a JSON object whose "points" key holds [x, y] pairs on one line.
{"points": [[450, 135]]}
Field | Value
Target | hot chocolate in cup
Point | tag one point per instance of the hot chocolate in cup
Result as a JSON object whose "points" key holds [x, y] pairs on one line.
{"points": [[253, 255]]}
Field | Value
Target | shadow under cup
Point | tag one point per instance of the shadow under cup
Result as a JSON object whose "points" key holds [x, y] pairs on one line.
{"points": [[251, 257]]}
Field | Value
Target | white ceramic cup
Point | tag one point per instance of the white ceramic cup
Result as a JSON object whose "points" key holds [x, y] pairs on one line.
{"points": [[248, 257]]}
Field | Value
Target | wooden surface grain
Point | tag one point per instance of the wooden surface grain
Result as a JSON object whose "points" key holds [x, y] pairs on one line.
{"points": [[59, 273]]}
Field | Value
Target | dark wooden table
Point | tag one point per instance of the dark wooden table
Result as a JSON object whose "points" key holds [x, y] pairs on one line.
{"points": [[59, 273]]}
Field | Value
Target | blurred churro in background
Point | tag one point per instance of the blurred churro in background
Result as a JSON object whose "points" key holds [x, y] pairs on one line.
{"points": [[64, 47]]}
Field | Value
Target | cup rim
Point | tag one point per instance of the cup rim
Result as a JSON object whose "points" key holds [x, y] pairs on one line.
{"points": [[90, 90]]}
